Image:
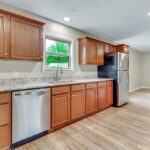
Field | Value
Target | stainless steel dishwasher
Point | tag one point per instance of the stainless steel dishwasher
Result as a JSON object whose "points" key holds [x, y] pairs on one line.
{"points": [[30, 115]]}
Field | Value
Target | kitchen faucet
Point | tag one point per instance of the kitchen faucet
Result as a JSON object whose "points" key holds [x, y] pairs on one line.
{"points": [[56, 78]]}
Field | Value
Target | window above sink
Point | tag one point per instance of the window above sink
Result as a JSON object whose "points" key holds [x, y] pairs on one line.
{"points": [[58, 53]]}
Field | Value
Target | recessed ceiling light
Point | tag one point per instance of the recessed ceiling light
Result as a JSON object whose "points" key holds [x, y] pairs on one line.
{"points": [[67, 19], [149, 14]]}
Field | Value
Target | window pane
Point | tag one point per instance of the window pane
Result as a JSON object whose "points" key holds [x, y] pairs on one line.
{"points": [[55, 46], [54, 61]]}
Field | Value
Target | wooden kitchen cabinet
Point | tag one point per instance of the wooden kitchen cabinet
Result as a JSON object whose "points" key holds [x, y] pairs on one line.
{"points": [[77, 101], [60, 110], [77, 105], [91, 98], [113, 48], [107, 48], [26, 39], [102, 95], [87, 51], [60, 106], [5, 119], [4, 35], [20, 37], [122, 48], [70, 103], [109, 93], [100, 53]]}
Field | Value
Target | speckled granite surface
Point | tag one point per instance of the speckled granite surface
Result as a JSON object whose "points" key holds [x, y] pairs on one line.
{"points": [[22, 84]]}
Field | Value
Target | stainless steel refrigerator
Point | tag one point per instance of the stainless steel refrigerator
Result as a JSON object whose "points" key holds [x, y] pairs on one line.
{"points": [[116, 66]]}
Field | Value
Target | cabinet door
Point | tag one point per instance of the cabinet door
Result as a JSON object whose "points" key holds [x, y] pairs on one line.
{"points": [[77, 105], [4, 35], [107, 47], [91, 55], [100, 53], [102, 97], [26, 39], [60, 110], [113, 48], [5, 119], [5, 136], [109, 95], [91, 101], [4, 114]]}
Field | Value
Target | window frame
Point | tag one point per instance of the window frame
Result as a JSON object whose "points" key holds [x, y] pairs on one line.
{"points": [[70, 54]]}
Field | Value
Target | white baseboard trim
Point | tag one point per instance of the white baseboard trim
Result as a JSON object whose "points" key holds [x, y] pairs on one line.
{"points": [[136, 89], [145, 87]]}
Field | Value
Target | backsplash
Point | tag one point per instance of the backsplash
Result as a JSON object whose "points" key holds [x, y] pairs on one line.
{"points": [[25, 71], [21, 78]]}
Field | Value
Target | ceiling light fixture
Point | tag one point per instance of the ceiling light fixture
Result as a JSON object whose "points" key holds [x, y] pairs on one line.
{"points": [[67, 19], [149, 14]]}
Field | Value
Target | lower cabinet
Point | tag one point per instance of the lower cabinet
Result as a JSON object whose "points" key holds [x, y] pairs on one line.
{"points": [[102, 97], [60, 110], [77, 105], [72, 102], [109, 93], [5, 136], [91, 101], [5, 119]]}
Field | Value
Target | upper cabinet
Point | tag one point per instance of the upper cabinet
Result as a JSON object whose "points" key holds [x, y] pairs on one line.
{"points": [[100, 53], [20, 37], [26, 39], [122, 48], [87, 51], [4, 35], [107, 47], [90, 51]]}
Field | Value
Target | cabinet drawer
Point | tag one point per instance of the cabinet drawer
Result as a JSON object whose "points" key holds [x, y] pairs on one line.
{"points": [[4, 114], [78, 87], [60, 90], [91, 85], [109, 82], [4, 97], [4, 136], [100, 84]]}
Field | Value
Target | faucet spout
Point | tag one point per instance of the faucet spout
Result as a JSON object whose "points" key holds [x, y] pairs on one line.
{"points": [[57, 77]]}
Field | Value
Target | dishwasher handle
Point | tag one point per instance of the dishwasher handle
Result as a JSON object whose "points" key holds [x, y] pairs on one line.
{"points": [[42, 92]]}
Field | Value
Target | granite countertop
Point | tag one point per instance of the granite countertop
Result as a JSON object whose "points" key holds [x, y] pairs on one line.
{"points": [[44, 84]]}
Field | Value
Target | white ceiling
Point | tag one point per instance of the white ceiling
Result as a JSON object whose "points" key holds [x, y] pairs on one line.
{"points": [[122, 21]]}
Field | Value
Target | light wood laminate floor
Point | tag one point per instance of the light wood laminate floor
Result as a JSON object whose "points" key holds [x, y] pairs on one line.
{"points": [[124, 128]]}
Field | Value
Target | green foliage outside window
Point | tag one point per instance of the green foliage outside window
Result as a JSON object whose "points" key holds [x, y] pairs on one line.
{"points": [[56, 59], [53, 60], [59, 47]]}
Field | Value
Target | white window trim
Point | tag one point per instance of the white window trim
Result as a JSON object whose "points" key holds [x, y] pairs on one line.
{"points": [[71, 51]]}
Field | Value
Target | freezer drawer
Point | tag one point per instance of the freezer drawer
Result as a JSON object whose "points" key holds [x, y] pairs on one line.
{"points": [[122, 87]]}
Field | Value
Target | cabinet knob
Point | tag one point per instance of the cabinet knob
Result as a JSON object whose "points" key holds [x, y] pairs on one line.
{"points": [[5, 54]]}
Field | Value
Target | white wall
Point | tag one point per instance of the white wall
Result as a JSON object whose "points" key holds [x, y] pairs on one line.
{"points": [[135, 72], [139, 70], [29, 68], [145, 70]]}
